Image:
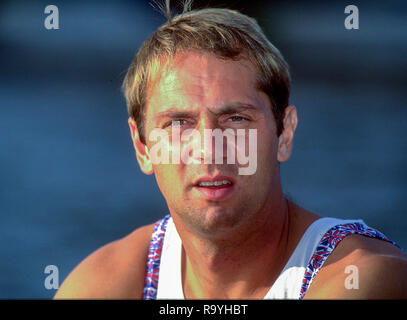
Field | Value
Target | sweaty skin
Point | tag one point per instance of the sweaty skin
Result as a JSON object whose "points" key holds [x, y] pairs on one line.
{"points": [[221, 255]]}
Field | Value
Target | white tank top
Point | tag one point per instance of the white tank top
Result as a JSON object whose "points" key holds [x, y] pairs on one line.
{"points": [[317, 242]]}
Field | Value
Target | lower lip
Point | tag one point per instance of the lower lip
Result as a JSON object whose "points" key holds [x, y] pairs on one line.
{"points": [[216, 193]]}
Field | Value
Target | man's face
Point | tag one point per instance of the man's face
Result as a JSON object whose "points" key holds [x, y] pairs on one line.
{"points": [[200, 91]]}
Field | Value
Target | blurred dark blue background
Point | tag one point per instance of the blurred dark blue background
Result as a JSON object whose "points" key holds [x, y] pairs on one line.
{"points": [[69, 180]]}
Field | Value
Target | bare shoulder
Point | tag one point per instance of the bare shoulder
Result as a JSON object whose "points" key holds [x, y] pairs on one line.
{"points": [[115, 271], [362, 268]]}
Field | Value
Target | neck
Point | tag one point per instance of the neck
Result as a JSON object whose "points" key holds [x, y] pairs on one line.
{"points": [[242, 265]]}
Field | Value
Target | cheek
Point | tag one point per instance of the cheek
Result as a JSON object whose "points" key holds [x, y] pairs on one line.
{"points": [[169, 179], [267, 147], [266, 136]]}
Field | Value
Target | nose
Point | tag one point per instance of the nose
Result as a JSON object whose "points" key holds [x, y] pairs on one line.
{"points": [[212, 149], [197, 143], [207, 148]]}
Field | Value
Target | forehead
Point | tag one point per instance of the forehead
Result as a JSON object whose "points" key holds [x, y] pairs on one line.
{"points": [[194, 80]]}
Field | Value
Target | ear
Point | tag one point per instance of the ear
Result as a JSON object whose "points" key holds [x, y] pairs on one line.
{"points": [[143, 157], [285, 140]]}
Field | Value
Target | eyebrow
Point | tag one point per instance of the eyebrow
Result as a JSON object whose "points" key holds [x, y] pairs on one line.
{"points": [[233, 107], [228, 108], [174, 113]]}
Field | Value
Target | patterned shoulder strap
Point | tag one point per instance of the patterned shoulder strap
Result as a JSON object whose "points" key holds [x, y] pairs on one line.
{"points": [[154, 258], [328, 243]]}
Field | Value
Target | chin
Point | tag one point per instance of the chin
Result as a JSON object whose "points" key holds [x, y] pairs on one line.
{"points": [[215, 221]]}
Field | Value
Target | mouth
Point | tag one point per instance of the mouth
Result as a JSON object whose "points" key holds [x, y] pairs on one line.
{"points": [[214, 188]]}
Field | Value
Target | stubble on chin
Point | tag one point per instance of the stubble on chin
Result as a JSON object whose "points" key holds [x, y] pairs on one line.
{"points": [[212, 221]]}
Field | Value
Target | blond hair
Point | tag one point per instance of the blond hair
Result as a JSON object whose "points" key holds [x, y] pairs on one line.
{"points": [[228, 34]]}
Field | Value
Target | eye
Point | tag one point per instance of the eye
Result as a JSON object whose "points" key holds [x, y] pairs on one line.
{"points": [[236, 119], [176, 123]]}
